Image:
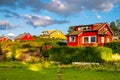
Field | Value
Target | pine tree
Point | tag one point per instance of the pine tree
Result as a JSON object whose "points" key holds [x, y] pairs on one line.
{"points": [[71, 28], [112, 26]]}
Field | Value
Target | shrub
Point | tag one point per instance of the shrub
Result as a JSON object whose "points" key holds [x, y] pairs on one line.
{"points": [[13, 52], [106, 53], [60, 43], [68, 55], [114, 46]]}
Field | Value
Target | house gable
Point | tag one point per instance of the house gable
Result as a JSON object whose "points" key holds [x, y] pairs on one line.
{"points": [[105, 28], [27, 37], [57, 34], [53, 34]]}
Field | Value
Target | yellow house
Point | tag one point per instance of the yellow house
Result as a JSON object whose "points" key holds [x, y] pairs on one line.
{"points": [[53, 34]]}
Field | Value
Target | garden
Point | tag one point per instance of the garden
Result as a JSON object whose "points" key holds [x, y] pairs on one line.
{"points": [[37, 60]]}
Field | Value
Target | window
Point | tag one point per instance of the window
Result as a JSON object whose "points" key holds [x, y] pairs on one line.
{"points": [[102, 39], [86, 28], [89, 39], [72, 38], [108, 40], [80, 28], [93, 39], [86, 39]]}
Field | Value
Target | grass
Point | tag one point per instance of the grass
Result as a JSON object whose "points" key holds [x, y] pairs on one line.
{"points": [[18, 71], [72, 74]]}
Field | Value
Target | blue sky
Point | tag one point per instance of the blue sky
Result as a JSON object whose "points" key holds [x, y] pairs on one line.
{"points": [[35, 16]]}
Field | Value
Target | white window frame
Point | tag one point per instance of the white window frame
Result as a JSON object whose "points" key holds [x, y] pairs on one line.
{"points": [[108, 39], [102, 39], [84, 39], [89, 39], [79, 28], [74, 37]]}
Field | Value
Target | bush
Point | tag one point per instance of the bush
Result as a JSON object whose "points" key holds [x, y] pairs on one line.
{"points": [[114, 46], [68, 55], [13, 52]]}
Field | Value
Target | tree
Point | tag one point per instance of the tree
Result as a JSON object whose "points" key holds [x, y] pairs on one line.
{"points": [[118, 27], [112, 26], [71, 28], [118, 23]]}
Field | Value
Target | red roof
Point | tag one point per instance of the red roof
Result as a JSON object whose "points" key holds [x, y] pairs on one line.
{"points": [[95, 27], [26, 36]]}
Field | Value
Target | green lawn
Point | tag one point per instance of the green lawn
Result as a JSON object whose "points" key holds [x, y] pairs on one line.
{"points": [[21, 72]]}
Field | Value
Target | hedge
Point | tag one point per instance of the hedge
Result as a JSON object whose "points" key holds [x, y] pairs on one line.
{"points": [[68, 55], [115, 46]]}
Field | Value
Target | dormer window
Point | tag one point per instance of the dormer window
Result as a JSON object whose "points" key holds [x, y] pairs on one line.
{"points": [[86, 28], [80, 28]]}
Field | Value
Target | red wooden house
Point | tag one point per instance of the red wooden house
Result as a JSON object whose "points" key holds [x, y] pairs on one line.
{"points": [[90, 35], [24, 37], [3, 39]]}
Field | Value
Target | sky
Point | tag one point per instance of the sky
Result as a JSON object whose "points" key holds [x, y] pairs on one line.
{"points": [[35, 16]]}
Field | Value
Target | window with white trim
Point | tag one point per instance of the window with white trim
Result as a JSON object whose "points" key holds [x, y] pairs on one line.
{"points": [[86, 40], [93, 39], [72, 38], [102, 39], [108, 40], [89, 39]]}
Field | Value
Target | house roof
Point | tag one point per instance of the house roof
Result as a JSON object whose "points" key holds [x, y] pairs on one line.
{"points": [[95, 26], [52, 31], [98, 26], [89, 25], [49, 31], [73, 33], [21, 35]]}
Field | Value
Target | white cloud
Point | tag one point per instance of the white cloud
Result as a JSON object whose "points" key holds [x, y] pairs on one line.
{"points": [[107, 6], [36, 20], [61, 7], [68, 7], [6, 25], [98, 16]]}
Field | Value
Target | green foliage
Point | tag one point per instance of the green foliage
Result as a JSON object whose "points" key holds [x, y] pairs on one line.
{"points": [[115, 46], [71, 28], [60, 43], [68, 55], [13, 52], [113, 26], [106, 53]]}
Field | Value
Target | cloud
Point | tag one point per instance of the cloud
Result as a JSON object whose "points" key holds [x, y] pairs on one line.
{"points": [[9, 13], [36, 20], [62, 7], [69, 7], [6, 25], [98, 16]]}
